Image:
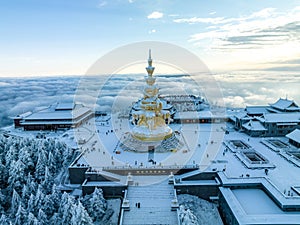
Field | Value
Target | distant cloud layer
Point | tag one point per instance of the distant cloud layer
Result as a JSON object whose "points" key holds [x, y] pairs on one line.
{"points": [[118, 93]]}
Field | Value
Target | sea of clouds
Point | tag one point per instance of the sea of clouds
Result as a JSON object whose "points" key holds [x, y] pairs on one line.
{"points": [[117, 92]]}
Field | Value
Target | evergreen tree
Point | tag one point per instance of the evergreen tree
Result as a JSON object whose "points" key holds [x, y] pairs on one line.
{"points": [[3, 175], [48, 181], [2, 201], [25, 193], [42, 217], [31, 185], [31, 204], [11, 155], [15, 202], [48, 206], [55, 220], [39, 199], [4, 220], [26, 157], [80, 215], [17, 176], [32, 220], [66, 208], [51, 164], [96, 204], [56, 197], [40, 166], [21, 216], [27, 171]]}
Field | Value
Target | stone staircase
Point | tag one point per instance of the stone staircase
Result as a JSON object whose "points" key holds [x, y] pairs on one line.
{"points": [[155, 205]]}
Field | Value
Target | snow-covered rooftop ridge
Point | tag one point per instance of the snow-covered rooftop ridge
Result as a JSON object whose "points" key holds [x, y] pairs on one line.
{"points": [[294, 135], [256, 109], [254, 125], [23, 115], [285, 104], [280, 117]]}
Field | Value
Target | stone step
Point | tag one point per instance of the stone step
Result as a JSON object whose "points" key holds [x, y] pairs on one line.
{"points": [[155, 204]]}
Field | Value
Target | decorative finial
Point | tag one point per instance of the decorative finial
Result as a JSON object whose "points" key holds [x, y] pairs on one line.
{"points": [[150, 59], [150, 68]]}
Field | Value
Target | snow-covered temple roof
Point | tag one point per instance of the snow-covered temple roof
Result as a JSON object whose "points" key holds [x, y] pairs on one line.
{"points": [[254, 126], [285, 105], [254, 110], [294, 135], [50, 114], [280, 118]]}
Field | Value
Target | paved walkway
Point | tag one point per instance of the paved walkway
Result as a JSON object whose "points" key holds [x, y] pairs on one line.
{"points": [[155, 204]]}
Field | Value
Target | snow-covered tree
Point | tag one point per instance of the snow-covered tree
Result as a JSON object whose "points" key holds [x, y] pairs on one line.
{"points": [[66, 209], [187, 217], [4, 220], [31, 184], [31, 205], [80, 215], [15, 202], [21, 216], [40, 165], [42, 217], [25, 193], [17, 176], [56, 197], [55, 219], [96, 204], [48, 206], [2, 201], [47, 182], [39, 199], [32, 220], [27, 171], [26, 157], [11, 154], [3, 174]]}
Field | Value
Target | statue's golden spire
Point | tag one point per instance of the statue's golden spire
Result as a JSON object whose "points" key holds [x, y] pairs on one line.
{"points": [[150, 68], [150, 121]]}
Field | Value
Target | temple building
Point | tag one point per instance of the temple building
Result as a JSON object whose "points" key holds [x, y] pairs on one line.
{"points": [[277, 119], [56, 116]]}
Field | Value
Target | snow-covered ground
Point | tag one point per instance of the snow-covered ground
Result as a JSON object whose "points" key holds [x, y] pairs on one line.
{"points": [[200, 140]]}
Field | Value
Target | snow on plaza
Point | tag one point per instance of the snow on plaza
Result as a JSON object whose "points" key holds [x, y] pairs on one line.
{"points": [[167, 159]]}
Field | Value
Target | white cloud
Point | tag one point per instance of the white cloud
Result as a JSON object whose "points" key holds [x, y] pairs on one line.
{"points": [[155, 15], [173, 15], [131, 1], [102, 4], [252, 40], [193, 20], [152, 31]]}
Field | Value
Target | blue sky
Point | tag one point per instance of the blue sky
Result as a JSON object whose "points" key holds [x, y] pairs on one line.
{"points": [[53, 37]]}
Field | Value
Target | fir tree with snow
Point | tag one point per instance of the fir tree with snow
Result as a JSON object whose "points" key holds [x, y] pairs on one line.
{"points": [[96, 204], [80, 215]]}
